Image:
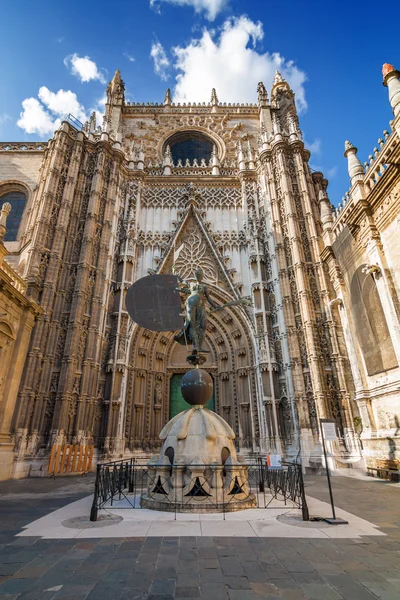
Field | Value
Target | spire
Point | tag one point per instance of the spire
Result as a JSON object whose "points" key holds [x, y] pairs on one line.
{"points": [[4, 212], [325, 208], [92, 122], [117, 87], [167, 98], [281, 86], [214, 99], [354, 166], [278, 78], [262, 94], [391, 81]]}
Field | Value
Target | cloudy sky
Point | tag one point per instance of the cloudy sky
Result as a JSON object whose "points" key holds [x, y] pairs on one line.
{"points": [[57, 58]]}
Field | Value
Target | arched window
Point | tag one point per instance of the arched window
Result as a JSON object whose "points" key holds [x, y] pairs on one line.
{"points": [[17, 199], [190, 145], [370, 324]]}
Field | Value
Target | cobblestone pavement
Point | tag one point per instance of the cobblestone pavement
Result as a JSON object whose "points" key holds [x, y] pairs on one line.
{"points": [[208, 567]]}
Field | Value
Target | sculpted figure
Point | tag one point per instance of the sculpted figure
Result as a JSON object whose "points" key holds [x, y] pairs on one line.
{"points": [[194, 328]]}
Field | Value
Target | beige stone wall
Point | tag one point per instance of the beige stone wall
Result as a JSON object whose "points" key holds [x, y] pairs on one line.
{"points": [[365, 274], [17, 316], [20, 166]]}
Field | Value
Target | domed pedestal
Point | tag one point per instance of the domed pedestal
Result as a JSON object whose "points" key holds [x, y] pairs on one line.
{"points": [[197, 469]]}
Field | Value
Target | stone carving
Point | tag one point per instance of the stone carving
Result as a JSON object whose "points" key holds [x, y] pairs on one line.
{"points": [[196, 317]]}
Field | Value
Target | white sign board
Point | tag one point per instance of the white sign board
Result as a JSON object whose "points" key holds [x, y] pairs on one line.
{"points": [[329, 431], [274, 461]]}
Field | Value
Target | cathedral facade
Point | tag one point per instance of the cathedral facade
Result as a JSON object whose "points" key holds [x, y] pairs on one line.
{"points": [[168, 187]]}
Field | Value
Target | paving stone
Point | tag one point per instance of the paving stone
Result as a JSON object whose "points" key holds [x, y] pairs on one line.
{"points": [[212, 576], [187, 566], [131, 594], [355, 592], [9, 568], [209, 563], [248, 595], [165, 587], [237, 583], [72, 592], [31, 572], [230, 566], [293, 595], [14, 586], [262, 589], [188, 579], [187, 592], [298, 567], [214, 591], [315, 591]]}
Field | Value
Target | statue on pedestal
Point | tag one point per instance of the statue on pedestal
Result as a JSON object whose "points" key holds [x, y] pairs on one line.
{"points": [[194, 328]]}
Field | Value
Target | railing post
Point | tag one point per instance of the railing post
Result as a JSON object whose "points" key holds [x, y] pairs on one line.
{"points": [[304, 507], [261, 475], [94, 509], [131, 476]]}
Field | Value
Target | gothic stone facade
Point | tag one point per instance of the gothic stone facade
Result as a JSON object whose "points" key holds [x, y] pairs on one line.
{"points": [[224, 187], [362, 254]]}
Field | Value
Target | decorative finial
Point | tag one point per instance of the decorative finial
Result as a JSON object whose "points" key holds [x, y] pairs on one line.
{"points": [[167, 99], [92, 122], [391, 81], [262, 94], [278, 77], [354, 166], [116, 88], [4, 212], [387, 68], [214, 98]]}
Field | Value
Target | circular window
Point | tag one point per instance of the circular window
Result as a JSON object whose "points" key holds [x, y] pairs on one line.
{"points": [[190, 145]]}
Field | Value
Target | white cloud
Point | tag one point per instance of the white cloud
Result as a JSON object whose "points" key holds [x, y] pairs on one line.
{"points": [[210, 7], [84, 68], [231, 64], [129, 57], [36, 119], [161, 62], [44, 117], [314, 147], [62, 103]]}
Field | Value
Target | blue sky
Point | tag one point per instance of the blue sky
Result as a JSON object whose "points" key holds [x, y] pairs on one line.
{"points": [[331, 53]]}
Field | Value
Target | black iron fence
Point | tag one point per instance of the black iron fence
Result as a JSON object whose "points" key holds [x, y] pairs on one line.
{"points": [[132, 484]]}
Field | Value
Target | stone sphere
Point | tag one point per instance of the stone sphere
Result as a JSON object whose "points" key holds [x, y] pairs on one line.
{"points": [[197, 387]]}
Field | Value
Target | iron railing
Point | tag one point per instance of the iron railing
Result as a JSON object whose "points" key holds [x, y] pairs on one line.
{"points": [[135, 483]]}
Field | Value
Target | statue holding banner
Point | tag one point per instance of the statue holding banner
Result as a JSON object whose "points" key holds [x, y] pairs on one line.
{"points": [[195, 324]]}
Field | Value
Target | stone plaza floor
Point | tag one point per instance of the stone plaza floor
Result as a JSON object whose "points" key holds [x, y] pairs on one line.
{"points": [[47, 550]]}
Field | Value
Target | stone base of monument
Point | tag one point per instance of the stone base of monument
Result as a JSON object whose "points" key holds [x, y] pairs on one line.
{"points": [[198, 488], [197, 469]]}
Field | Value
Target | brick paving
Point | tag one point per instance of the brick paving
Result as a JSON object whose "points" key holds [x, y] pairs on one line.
{"points": [[207, 567]]}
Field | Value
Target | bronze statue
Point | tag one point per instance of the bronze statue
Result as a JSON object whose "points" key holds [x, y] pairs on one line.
{"points": [[194, 328]]}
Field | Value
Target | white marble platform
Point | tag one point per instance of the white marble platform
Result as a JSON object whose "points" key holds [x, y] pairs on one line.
{"points": [[273, 522]]}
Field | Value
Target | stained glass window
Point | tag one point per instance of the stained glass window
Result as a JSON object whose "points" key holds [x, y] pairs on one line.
{"points": [[17, 200], [190, 145]]}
